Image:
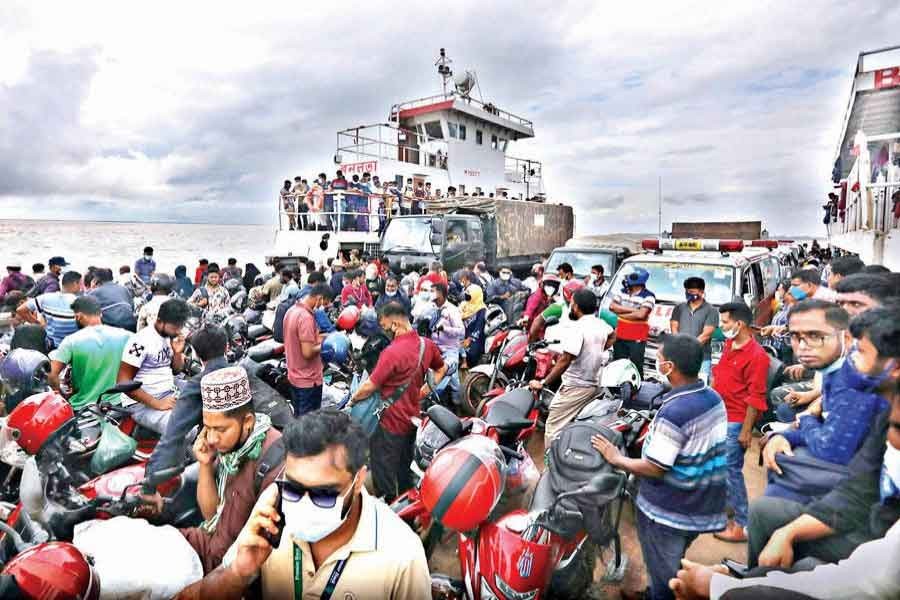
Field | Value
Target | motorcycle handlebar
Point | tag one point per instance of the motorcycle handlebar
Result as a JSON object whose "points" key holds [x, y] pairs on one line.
{"points": [[510, 453]]}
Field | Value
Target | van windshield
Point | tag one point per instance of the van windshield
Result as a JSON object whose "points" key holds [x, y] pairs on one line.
{"points": [[408, 235], [581, 261], [667, 280]]}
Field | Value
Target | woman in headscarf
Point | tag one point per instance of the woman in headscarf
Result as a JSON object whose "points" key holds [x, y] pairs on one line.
{"points": [[184, 287], [473, 312], [250, 273]]}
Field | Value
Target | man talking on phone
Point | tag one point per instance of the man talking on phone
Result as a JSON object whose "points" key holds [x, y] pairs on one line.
{"points": [[317, 533], [239, 453]]}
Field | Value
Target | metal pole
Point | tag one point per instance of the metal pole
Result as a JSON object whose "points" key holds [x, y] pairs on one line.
{"points": [[659, 224]]}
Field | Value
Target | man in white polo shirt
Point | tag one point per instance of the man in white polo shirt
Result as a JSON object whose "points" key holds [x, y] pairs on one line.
{"points": [[336, 540]]}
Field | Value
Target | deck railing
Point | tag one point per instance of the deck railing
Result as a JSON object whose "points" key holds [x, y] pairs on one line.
{"points": [[869, 205], [388, 142], [487, 107]]}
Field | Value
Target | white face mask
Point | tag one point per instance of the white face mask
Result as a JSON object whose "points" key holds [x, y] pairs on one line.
{"points": [[148, 257], [890, 474], [307, 522], [425, 296], [660, 371], [549, 290], [730, 334], [391, 293]]}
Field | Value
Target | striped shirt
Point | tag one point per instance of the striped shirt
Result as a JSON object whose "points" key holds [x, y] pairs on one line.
{"points": [[56, 310], [687, 439], [637, 331]]}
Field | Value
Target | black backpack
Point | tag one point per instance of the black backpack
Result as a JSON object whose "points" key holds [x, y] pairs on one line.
{"points": [[272, 458]]}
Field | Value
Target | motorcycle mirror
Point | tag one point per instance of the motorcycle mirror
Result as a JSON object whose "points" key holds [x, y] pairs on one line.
{"points": [[126, 387], [551, 321], [446, 421]]}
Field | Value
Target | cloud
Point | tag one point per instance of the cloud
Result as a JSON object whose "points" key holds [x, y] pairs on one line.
{"points": [[132, 113]]}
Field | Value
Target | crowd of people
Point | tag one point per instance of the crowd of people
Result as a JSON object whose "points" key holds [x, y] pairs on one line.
{"points": [[827, 525], [361, 203]]}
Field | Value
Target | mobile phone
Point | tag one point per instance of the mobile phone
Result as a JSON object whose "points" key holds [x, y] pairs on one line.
{"points": [[274, 539]]}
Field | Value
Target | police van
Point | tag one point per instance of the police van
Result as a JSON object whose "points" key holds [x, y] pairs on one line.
{"points": [[732, 269]]}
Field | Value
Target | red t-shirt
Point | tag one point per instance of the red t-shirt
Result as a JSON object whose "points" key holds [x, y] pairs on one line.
{"points": [[300, 326], [396, 366], [741, 378], [360, 294]]}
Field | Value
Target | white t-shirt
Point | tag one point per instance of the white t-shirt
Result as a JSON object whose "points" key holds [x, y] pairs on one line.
{"points": [[152, 355], [585, 339]]}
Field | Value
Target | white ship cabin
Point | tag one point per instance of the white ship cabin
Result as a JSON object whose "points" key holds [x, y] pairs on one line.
{"points": [[864, 206], [450, 139]]}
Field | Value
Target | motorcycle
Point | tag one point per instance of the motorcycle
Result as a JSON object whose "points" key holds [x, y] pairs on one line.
{"points": [[550, 550]]}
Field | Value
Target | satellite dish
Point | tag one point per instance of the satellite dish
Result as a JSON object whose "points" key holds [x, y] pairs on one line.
{"points": [[464, 82]]}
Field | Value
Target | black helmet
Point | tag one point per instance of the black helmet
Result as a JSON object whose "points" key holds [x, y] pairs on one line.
{"points": [[233, 286], [162, 284]]}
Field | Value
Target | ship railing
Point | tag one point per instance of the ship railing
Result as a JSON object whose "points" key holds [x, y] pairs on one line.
{"points": [[869, 206], [342, 216], [522, 170], [389, 142], [487, 107]]}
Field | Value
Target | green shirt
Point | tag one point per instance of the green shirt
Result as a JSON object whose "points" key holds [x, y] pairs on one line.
{"points": [[94, 353]]}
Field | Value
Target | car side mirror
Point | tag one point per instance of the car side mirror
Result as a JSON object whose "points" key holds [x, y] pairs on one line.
{"points": [[446, 421]]}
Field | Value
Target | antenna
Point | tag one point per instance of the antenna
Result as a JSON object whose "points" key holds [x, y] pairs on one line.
{"points": [[443, 67], [659, 225]]}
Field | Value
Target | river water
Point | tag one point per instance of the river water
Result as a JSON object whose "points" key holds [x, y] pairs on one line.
{"points": [[107, 244]]}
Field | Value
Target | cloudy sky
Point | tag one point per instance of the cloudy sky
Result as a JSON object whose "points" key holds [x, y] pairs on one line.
{"points": [[195, 111]]}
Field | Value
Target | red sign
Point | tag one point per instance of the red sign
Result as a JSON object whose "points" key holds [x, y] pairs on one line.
{"points": [[369, 166], [887, 78]]}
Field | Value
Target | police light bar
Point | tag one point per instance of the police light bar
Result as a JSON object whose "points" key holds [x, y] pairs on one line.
{"points": [[693, 245], [770, 244]]}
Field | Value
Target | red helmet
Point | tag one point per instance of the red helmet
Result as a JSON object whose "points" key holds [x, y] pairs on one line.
{"points": [[37, 419], [54, 571], [572, 286], [348, 319], [464, 482]]}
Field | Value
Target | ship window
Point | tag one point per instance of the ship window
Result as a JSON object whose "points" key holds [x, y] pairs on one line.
{"points": [[462, 132], [503, 145], [493, 142], [478, 137], [433, 130], [452, 129]]}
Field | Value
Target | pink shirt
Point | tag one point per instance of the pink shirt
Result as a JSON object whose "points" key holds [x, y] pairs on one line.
{"points": [[300, 326]]}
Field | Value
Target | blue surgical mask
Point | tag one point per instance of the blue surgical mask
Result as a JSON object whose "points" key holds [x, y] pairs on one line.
{"points": [[797, 293], [863, 381], [692, 297]]}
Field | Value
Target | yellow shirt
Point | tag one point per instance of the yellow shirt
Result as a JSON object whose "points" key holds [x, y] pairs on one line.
{"points": [[385, 560]]}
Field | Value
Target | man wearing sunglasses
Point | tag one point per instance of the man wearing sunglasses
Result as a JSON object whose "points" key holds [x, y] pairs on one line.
{"points": [[239, 453], [317, 533]]}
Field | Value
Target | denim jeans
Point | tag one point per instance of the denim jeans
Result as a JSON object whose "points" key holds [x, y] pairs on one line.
{"points": [[306, 400], [663, 548], [451, 378], [737, 490], [171, 448]]}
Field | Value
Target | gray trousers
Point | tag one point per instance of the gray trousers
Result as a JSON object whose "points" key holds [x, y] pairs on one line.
{"points": [[768, 514]]}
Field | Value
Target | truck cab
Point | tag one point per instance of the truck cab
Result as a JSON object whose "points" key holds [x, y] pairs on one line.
{"points": [[733, 270], [414, 241]]}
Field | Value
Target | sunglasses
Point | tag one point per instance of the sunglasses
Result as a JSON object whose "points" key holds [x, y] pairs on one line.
{"points": [[323, 497]]}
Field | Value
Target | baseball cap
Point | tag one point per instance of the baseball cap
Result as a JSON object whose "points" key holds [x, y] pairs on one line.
{"points": [[58, 261]]}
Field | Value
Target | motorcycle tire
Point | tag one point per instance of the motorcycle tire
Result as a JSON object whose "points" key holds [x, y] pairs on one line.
{"points": [[473, 392], [576, 578]]}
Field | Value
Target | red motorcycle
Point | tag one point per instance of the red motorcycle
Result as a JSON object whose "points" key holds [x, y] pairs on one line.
{"points": [[550, 550]]}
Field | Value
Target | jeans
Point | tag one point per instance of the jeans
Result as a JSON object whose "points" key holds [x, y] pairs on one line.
{"points": [[171, 448], [663, 548], [633, 351], [770, 514], [451, 378], [390, 455], [737, 490], [306, 400]]}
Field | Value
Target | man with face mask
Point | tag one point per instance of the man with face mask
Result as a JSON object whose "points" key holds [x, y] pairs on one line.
{"points": [[633, 306], [540, 300], [303, 348], [741, 379], [505, 286], [579, 366], [682, 465], [597, 281], [698, 318], [809, 282], [845, 546], [447, 332], [833, 429], [149, 356], [336, 541], [403, 363], [229, 449], [93, 352], [145, 266], [393, 293]]}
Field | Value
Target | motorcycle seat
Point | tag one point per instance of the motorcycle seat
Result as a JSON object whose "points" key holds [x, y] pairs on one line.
{"points": [[255, 332], [510, 410], [265, 351]]}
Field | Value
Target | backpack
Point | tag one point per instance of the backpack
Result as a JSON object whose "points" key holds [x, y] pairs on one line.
{"points": [[272, 457]]}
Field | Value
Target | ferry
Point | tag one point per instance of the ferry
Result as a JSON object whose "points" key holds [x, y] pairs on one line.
{"points": [[863, 210], [454, 139]]}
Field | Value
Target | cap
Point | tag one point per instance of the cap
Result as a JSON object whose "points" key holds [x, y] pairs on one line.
{"points": [[58, 261], [225, 389]]}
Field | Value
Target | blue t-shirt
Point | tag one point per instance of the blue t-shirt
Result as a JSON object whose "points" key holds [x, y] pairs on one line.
{"points": [[56, 308], [687, 439], [144, 268]]}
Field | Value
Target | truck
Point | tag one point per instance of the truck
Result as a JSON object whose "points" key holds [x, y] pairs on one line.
{"points": [[460, 231], [584, 253]]}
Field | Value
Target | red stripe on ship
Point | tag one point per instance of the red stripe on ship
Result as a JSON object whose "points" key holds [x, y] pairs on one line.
{"points": [[421, 110]]}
